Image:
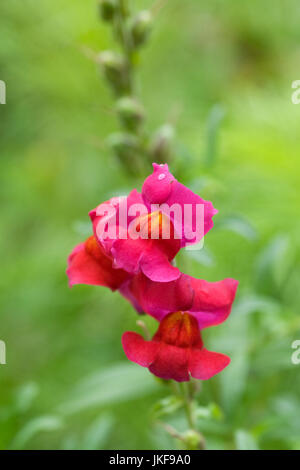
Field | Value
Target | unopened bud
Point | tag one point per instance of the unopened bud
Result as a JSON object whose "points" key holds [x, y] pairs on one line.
{"points": [[131, 113], [193, 440], [161, 145], [125, 147], [141, 27], [115, 70], [107, 9]]}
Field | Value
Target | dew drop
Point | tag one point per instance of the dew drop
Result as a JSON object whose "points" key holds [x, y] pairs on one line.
{"points": [[161, 176]]}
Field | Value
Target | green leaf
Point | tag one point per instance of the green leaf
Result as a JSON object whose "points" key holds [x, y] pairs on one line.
{"points": [[82, 228], [167, 406], [274, 263], [116, 384], [234, 377], [70, 442], [33, 427], [245, 441], [211, 411], [239, 225], [202, 256], [273, 357], [203, 412], [97, 434], [216, 412], [25, 397], [255, 303]]}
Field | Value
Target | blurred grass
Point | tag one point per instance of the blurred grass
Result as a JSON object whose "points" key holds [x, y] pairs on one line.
{"points": [[54, 168]]}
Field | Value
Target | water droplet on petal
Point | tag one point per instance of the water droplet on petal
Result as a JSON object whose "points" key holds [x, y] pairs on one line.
{"points": [[161, 176]]}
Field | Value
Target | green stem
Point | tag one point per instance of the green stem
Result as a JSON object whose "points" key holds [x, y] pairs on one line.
{"points": [[191, 438], [189, 405], [188, 391], [125, 41], [123, 7]]}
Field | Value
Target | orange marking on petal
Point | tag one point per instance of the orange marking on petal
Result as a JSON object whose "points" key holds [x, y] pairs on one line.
{"points": [[155, 225], [179, 329]]}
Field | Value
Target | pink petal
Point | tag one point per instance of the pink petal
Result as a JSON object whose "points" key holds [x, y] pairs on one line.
{"points": [[212, 300], [158, 299], [209, 302], [171, 362], [144, 255], [138, 350], [156, 266], [182, 195], [114, 212], [162, 188], [127, 254], [93, 267], [126, 291], [204, 364], [157, 187]]}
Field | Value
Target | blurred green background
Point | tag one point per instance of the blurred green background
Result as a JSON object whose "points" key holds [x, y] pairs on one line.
{"points": [[67, 383]]}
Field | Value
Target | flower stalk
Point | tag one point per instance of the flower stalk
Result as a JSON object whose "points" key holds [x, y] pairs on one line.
{"points": [[189, 405], [191, 439], [142, 268], [133, 146], [125, 40]]}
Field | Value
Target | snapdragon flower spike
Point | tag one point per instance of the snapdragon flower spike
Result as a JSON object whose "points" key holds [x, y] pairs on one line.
{"points": [[209, 302], [144, 232], [176, 350], [89, 264]]}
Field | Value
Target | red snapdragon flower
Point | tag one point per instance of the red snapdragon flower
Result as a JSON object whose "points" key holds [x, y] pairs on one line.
{"points": [[176, 350], [209, 302], [124, 226], [89, 264], [183, 307], [124, 255], [127, 240]]}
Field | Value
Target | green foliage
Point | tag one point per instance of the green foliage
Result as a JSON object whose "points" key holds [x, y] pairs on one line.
{"points": [[244, 440], [66, 383], [97, 434], [214, 120], [167, 405], [116, 384], [33, 427]]}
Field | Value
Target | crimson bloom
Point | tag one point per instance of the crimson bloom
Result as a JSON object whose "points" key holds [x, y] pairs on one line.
{"points": [[209, 302], [89, 264], [176, 350], [144, 231], [124, 228], [130, 252], [183, 307]]}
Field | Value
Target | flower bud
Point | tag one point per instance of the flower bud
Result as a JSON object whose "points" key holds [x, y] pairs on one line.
{"points": [[141, 27], [126, 148], [131, 113], [107, 9], [193, 440], [115, 70], [161, 144]]}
